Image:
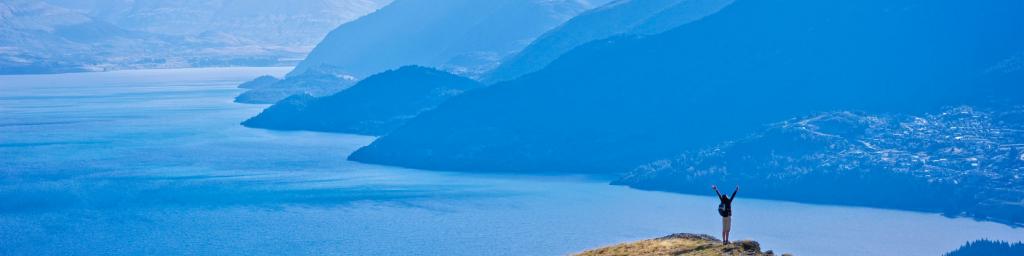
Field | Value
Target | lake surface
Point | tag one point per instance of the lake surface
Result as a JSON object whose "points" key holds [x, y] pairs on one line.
{"points": [[154, 162]]}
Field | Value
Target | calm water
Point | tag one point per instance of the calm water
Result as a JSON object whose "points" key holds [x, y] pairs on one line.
{"points": [[154, 162]]}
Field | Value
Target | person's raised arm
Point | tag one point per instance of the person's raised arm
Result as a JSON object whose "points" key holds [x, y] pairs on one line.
{"points": [[719, 194], [734, 192]]}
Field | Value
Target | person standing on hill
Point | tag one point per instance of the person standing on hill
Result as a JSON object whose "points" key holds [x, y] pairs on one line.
{"points": [[725, 209]]}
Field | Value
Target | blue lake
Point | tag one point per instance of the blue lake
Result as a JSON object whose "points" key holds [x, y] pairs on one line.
{"points": [[154, 162]]}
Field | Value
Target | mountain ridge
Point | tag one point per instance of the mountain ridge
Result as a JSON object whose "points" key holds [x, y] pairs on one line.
{"points": [[374, 106], [56, 36], [478, 34], [621, 17], [610, 105]]}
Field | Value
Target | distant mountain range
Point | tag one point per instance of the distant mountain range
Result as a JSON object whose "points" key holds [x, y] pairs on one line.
{"points": [[264, 22], [40, 38], [466, 37], [610, 105], [619, 17], [971, 158], [872, 84], [374, 106], [94, 35]]}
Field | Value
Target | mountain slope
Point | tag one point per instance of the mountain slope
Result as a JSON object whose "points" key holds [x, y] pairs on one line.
{"points": [[612, 105], [614, 18], [971, 158], [374, 106], [316, 83], [461, 36], [31, 29], [987, 247]]}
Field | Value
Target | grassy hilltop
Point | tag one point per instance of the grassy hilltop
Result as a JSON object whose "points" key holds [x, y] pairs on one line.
{"points": [[682, 244]]}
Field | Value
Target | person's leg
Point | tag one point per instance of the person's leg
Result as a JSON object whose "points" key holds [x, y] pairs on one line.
{"points": [[723, 230], [726, 227], [723, 235]]}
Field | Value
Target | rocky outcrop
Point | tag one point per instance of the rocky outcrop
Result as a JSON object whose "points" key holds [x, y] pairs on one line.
{"points": [[682, 244]]}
